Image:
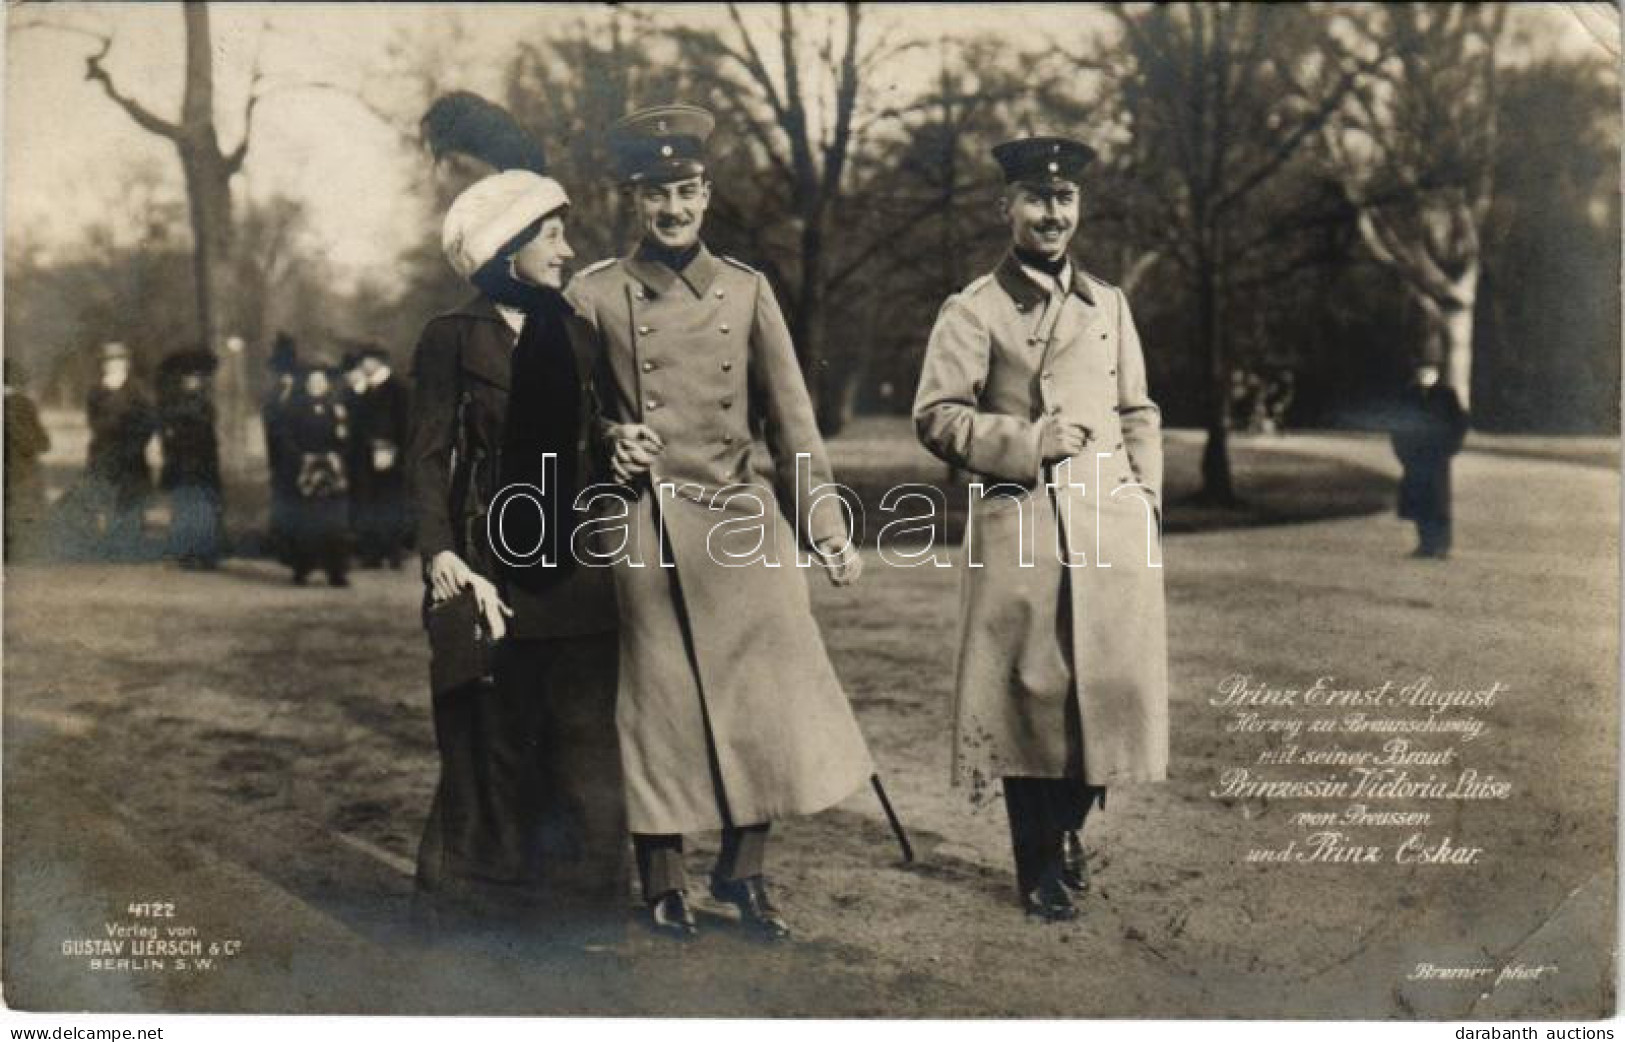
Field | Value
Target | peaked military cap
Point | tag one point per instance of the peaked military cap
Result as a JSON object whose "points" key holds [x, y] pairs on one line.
{"points": [[1043, 160], [659, 144]]}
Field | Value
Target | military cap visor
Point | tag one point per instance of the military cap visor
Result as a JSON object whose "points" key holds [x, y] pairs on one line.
{"points": [[661, 144], [1043, 160]]}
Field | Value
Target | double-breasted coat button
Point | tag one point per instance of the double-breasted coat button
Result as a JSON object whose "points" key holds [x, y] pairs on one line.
{"points": [[1047, 376], [650, 366], [721, 294], [1111, 372], [643, 329], [727, 439], [727, 367], [727, 403], [652, 404], [723, 328], [640, 294]]}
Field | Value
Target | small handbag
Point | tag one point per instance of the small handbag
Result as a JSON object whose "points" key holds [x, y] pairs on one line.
{"points": [[460, 651]]}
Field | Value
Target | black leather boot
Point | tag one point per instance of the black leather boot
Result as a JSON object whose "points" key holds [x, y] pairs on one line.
{"points": [[756, 911]]}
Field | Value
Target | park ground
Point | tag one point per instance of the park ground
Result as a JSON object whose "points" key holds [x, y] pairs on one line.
{"points": [[261, 756]]}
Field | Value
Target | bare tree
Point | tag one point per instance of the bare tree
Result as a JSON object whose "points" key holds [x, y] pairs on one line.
{"points": [[207, 167], [795, 98], [1220, 105], [1415, 143]]}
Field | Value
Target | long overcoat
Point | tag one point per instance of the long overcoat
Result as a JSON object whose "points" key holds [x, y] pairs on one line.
{"points": [[1430, 430], [722, 644], [1036, 633]]}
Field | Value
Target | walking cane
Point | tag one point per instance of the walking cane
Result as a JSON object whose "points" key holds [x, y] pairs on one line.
{"points": [[891, 816]]}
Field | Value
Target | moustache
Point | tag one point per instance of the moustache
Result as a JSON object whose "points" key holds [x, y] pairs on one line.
{"points": [[673, 222], [1051, 226]]}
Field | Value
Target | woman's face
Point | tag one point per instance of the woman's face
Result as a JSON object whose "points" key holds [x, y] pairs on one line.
{"points": [[541, 260]]}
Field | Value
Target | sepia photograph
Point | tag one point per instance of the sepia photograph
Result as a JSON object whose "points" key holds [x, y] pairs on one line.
{"points": [[812, 510]]}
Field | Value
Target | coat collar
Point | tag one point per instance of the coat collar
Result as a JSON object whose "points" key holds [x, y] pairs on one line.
{"points": [[659, 279], [1027, 293], [478, 306]]}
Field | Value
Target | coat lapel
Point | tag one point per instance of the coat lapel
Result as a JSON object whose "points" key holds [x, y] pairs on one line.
{"points": [[488, 353], [1075, 320]]}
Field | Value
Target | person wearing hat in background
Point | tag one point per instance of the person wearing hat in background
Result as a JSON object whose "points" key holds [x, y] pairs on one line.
{"points": [[731, 715], [191, 467], [1431, 429], [282, 469], [316, 438], [527, 826], [1034, 381], [379, 416], [26, 440], [122, 422], [353, 392]]}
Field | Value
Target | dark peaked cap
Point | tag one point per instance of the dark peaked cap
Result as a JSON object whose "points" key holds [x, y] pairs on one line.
{"points": [[1043, 160], [465, 122], [663, 143]]}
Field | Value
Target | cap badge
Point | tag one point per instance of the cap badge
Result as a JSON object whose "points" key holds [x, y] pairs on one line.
{"points": [[660, 126], [665, 150], [1055, 168]]}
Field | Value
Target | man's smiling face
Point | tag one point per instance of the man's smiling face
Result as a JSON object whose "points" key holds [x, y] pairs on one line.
{"points": [[671, 213], [1042, 218]]}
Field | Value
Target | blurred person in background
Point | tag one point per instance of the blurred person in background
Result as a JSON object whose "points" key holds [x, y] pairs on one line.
{"points": [[122, 421], [1430, 430], [282, 471], [25, 442], [316, 437], [191, 463], [379, 418]]}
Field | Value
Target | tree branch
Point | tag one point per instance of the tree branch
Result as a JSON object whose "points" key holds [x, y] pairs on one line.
{"points": [[134, 109]]}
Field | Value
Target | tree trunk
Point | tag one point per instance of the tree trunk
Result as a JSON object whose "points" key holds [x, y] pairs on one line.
{"points": [[812, 322], [1217, 484], [208, 194]]}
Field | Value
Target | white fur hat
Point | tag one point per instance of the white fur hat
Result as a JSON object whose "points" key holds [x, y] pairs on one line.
{"points": [[491, 211]]}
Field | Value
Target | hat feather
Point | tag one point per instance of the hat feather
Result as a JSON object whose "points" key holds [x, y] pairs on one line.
{"points": [[467, 123]]}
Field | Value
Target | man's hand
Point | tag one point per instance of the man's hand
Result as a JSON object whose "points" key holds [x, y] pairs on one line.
{"points": [[633, 448], [840, 558], [1060, 439], [448, 574]]}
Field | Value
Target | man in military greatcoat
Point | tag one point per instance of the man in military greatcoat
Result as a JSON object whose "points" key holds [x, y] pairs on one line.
{"points": [[1034, 381], [731, 716]]}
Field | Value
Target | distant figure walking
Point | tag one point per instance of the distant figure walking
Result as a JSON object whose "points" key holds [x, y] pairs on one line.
{"points": [[379, 419], [1430, 430], [191, 470], [274, 412], [122, 421], [316, 435], [25, 442]]}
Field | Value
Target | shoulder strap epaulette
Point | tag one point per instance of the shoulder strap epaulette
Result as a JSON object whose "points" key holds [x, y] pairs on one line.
{"points": [[977, 284], [741, 265], [597, 266], [1092, 277]]}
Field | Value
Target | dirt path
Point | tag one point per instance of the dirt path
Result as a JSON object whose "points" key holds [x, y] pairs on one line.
{"points": [[261, 756]]}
